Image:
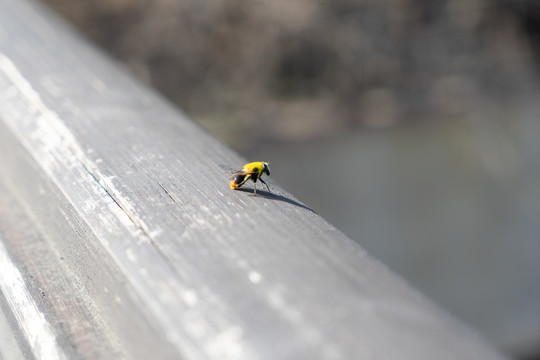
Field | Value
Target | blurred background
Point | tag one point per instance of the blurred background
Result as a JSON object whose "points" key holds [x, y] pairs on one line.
{"points": [[411, 125]]}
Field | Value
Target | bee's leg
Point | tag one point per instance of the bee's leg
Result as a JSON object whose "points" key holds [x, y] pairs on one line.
{"points": [[266, 185], [255, 188]]}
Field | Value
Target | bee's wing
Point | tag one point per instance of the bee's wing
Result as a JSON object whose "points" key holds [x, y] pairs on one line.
{"points": [[242, 172], [245, 172]]}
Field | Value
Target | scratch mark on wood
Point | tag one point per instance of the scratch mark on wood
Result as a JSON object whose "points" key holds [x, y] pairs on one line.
{"points": [[166, 192], [139, 225]]}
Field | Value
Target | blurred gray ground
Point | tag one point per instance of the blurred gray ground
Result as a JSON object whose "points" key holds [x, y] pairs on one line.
{"points": [[412, 125]]}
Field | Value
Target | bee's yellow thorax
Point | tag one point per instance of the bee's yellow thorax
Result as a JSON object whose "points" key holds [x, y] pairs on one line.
{"points": [[256, 166]]}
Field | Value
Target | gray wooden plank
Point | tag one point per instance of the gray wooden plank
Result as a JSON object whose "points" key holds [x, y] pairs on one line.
{"points": [[76, 288], [147, 218]]}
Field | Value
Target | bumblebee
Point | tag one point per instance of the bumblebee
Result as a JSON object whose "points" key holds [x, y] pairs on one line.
{"points": [[253, 171]]}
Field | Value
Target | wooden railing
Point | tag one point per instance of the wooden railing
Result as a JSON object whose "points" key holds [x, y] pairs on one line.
{"points": [[120, 238]]}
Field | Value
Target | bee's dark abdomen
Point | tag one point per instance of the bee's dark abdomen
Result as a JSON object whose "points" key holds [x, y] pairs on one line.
{"points": [[239, 178]]}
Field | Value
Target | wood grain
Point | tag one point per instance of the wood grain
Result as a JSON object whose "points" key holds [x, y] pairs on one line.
{"points": [[116, 212]]}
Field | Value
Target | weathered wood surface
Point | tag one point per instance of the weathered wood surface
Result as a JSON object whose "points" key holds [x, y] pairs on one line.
{"points": [[119, 236]]}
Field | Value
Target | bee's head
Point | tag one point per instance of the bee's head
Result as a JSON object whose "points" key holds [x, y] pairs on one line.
{"points": [[266, 168]]}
